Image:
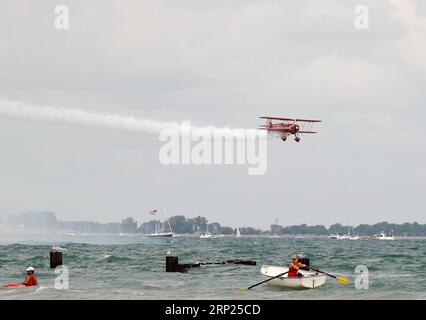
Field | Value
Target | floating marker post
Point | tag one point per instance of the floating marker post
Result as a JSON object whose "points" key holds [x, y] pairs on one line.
{"points": [[242, 261], [172, 264], [55, 258]]}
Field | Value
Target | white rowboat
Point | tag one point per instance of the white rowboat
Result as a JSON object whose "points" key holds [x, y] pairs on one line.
{"points": [[309, 280]]}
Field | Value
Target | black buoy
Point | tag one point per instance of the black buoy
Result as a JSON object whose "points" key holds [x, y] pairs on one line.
{"points": [[55, 258], [172, 264]]}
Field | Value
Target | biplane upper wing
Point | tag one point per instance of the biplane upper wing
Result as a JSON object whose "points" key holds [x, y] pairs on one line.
{"points": [[285, 130], [290, 119]]}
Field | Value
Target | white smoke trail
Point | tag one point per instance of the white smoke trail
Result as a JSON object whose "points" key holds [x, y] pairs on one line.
{"points": [[80, 118]]}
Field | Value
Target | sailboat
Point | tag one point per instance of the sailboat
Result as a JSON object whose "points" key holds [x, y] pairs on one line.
{"points": [[238, 234], [206, 235], [354, 236], [275, 234], [346, 236], [216, 234], [160, 233]]}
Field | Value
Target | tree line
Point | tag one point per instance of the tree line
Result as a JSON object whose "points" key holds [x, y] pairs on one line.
{"points": [[181, 224]]}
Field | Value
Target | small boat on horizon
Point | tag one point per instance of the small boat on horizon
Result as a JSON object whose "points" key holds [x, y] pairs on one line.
{"points": [[275, 232], [159, 232], [341, 236], [207, 234], [353, 236], [383, 236]]}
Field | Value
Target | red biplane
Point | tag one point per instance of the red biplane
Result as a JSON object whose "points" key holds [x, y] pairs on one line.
{"points": [[287, 127]]}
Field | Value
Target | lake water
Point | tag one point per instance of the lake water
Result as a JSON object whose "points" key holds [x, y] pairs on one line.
{"points": [[114, 267]]}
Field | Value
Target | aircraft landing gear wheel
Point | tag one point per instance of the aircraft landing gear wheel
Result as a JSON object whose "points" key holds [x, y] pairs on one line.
{"points": [[283, 139], [297, 139]]}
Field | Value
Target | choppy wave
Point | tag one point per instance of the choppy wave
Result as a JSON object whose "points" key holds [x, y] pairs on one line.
{"points": [[112, 258]]}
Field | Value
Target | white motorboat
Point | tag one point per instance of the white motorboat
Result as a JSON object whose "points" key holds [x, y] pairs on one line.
{"points": [[309, 280], [384, 236], [339, 236]]}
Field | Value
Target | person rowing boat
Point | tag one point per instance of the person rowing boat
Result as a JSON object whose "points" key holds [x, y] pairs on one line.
{"points": [[293, 270]]}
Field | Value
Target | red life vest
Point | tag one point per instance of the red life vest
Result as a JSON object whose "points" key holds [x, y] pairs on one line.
{"points": [[292, 271], [32, 281]]}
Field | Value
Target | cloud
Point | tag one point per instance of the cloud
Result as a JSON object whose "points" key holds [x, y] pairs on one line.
{"points": [[338, 76], [412, 46], [406, 12]]}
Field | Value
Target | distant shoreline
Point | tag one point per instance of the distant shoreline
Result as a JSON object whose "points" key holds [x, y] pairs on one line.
{"points": [[48, 222], [12, 230]]}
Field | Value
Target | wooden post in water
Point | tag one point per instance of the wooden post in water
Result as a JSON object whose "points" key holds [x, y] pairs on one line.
{"points": [[171, 264], [55, 258]]}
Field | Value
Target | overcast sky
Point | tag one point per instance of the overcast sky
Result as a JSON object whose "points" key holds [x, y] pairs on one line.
{"points": [[221, 63]]}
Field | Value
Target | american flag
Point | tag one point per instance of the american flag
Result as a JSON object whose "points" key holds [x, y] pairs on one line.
{"points": [[153, 212]]}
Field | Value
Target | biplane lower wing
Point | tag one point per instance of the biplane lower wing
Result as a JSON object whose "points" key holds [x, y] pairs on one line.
{"points": [[274, 129], [286, 130]]}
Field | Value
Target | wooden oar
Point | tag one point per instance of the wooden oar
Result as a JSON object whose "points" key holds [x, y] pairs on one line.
{"points": [[255, 285], [338, 278]]}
